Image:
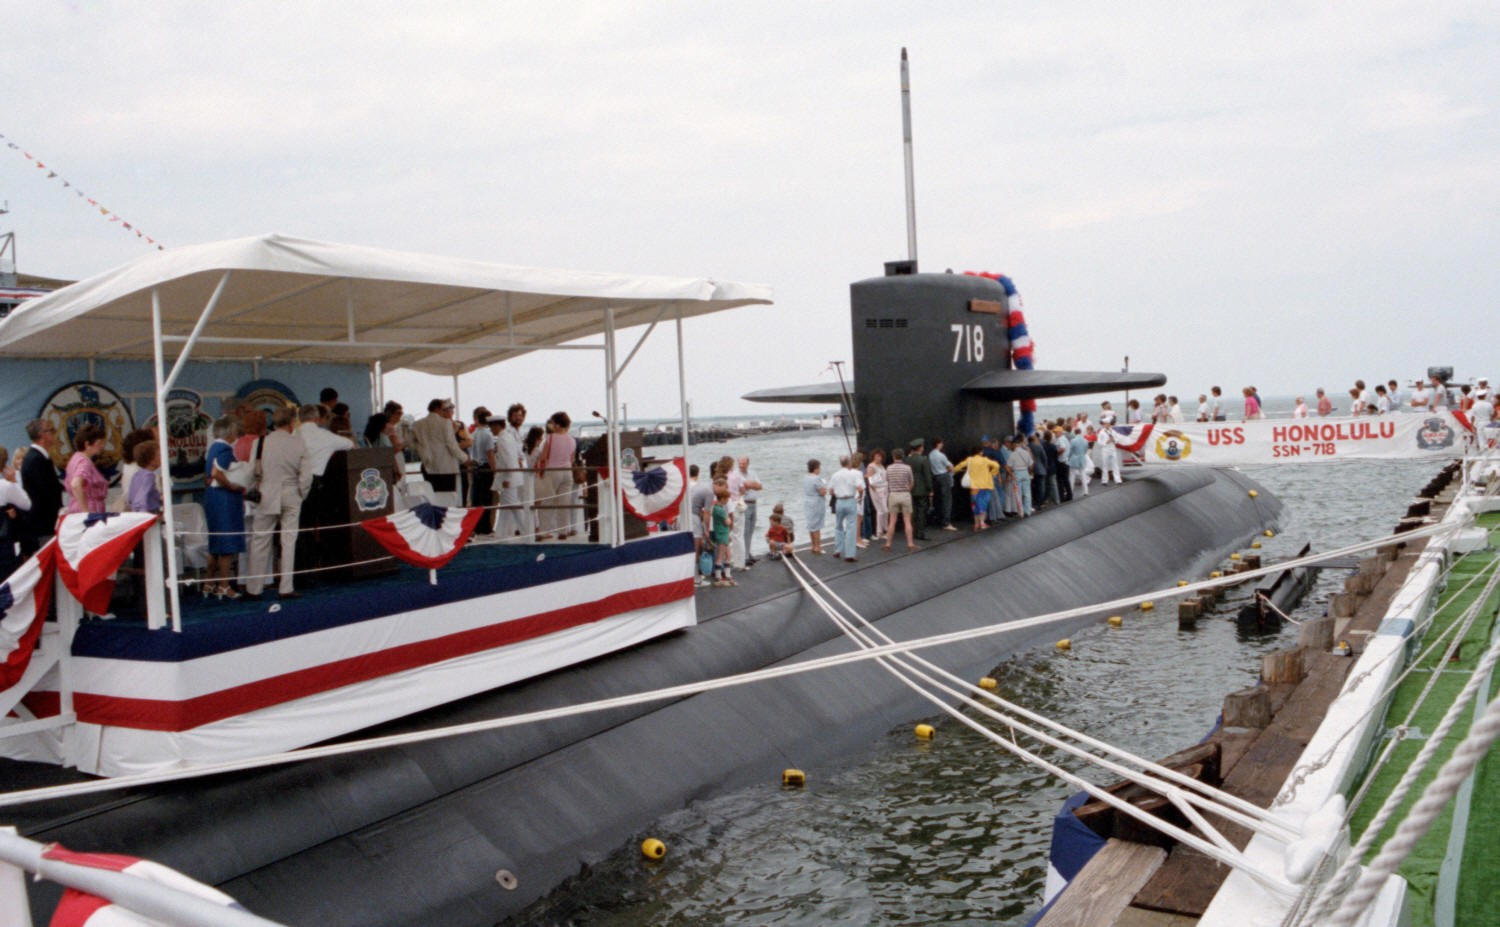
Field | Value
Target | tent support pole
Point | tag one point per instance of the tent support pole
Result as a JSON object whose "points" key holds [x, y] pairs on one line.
{"points": [[642, 340], [169, 523], [612, 401], [187, 348], [686, 516]]}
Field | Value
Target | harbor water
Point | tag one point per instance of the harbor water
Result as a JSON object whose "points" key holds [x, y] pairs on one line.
{"points": [[955, 830]]}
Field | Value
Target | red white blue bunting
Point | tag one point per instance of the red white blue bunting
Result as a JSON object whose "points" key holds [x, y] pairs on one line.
{"points": [[1021, 347], [425, 536], [23, 610], [91, 547], [655, 494], [1132, 437], [79, 909]]}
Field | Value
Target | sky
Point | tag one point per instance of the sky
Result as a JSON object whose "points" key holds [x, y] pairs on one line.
{"points": [[1284, 194]]}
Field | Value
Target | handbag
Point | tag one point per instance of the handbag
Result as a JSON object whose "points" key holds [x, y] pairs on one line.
{"points": [[252, 493], [706, 563], [965, 481], [241, 473]]}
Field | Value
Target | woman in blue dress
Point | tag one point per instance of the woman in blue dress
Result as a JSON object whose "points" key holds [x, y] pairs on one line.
{"points": [[814, 504], [224, 510]]}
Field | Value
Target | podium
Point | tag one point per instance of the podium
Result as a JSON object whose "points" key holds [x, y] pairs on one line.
{"points": [[596, 456], [358, 484]]}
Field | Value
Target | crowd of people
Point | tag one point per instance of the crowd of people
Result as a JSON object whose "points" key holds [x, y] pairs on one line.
{"points": [[1425, 394], [264, 473], [874, 498], [1429, 394]]}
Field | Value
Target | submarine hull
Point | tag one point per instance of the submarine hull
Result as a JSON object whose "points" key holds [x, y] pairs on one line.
{"points": [[417, 835]]}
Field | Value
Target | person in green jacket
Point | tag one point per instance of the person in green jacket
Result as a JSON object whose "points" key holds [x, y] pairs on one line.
{"points": [[921, 484]]}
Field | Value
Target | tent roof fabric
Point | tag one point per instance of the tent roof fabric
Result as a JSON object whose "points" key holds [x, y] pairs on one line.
{"points": [[292, 299]]}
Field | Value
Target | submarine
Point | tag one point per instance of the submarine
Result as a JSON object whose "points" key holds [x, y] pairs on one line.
{"points": [[472, 829]]}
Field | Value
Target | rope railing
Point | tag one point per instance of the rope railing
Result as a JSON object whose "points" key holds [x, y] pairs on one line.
{"points": [[511, 506], [1340, 881], [473, 542], [1434, 801], [1421, 623]]}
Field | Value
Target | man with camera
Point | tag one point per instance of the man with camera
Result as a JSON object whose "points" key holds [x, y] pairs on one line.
{"points": [[286, 475]]}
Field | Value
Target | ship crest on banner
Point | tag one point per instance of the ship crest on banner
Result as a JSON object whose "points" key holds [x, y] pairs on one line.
{"points": [[1297, 440]]}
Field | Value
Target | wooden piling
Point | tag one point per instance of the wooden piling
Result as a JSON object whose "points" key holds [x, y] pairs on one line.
{"points": [[1281, 666], [1248, 708], [1316, 634]]}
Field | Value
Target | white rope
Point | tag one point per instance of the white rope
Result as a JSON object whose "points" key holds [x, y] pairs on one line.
{"points": [[354, 524], [1428, 808], [473, 542], [1414, 771], [672, 692], [1219, 850], [1219, 802], [1464, 623], [1302, 771]]}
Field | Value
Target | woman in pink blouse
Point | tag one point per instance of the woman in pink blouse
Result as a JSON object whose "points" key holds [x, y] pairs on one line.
{"points": [[86, 486], [554, 484], [1252, 405]]}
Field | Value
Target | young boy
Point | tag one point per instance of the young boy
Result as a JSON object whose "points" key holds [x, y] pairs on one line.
{"points": [[144, 493], [723, 524], [786, 522], [778, 539]]}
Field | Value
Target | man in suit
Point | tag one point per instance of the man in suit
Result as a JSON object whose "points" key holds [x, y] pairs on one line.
{"points": [[437, 446], [39, 479], [286, 475]]}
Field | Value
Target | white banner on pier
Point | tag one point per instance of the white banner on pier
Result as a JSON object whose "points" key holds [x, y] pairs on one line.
{"points": [[1393, 436]]}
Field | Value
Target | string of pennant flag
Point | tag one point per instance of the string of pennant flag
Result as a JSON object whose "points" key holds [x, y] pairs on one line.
{"points": [[104, 211]]}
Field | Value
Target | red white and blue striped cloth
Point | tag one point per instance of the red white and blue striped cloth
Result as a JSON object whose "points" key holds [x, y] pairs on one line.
{"points": [[1132, 437], [654, 494], [425, 536], [91, 547], [80, 909], [23, 609]]}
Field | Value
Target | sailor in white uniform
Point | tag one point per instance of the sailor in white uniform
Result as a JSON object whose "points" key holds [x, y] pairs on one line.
{"points": [[1109, 455], [510, 481]]}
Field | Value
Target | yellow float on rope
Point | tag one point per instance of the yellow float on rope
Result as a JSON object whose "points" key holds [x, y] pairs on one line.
{"points": [[1147, 606], [793, 778], [1065, 644], [924, 731], [1253, 494], [988, 682], [1255, 545], [1115, 621], [1234, 556], [1216, 574], [1182, 582], [651, 848], [1269, 533]]}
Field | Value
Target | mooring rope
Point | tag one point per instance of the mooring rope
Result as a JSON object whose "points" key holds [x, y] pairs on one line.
{"points": [[1230, 806], [1219, 850]]}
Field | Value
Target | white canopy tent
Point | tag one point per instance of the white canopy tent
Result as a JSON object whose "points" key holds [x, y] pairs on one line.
{"points": [[288, 299]]}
